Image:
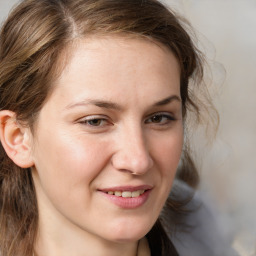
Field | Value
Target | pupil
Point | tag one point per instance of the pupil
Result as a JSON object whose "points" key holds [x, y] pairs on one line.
{"points": [[95, 122], [156, 119]]}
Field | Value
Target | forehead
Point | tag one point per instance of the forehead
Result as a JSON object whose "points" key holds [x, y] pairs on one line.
{"points": [[103, 65], [105, 50], [123, 44]]}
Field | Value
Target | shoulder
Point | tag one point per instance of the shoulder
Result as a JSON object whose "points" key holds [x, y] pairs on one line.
{"points": [[199, 232]]}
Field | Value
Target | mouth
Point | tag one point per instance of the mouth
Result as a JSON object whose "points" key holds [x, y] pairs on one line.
{"points": [[127, 197], [126, 194]]}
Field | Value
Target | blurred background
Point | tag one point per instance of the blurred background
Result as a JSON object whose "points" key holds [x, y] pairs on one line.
{"points": [[226, 30]]}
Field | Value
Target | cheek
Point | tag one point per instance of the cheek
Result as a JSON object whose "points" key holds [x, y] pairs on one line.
{"points": [[168, 152], [84, 158], [71, 162], [66, 169]]}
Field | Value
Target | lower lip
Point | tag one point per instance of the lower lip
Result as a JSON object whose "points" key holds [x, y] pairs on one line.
{"points": [[128, 202]]}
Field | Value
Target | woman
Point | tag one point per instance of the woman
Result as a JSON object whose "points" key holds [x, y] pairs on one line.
{"points": [[94, 99]]}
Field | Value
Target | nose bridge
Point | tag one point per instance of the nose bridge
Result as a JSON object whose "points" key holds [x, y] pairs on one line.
{"points": [[133, 152]]}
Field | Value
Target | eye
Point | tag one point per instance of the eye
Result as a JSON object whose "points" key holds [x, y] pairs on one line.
{"points": [[94, 121], [160, 118]]}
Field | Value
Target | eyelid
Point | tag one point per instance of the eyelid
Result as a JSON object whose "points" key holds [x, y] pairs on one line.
{"points": [[91, 117], [171, 117], [164, 113], [86, 119]]}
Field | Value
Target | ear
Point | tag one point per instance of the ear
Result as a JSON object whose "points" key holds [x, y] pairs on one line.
{"points": [[15, 139]]}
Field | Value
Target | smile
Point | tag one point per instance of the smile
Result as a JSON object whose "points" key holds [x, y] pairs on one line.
{"points": [[126, 194], [127, 197]]}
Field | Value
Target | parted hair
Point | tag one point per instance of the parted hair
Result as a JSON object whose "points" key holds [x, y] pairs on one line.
{"points": [[32, 39]]}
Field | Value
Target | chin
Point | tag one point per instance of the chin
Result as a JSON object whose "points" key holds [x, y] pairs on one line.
{"points": [[130, 232]]}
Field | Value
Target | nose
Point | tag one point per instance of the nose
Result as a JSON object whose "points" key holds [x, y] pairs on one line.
{"points": [[132, 154]]}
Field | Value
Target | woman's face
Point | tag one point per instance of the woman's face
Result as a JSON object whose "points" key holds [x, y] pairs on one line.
{"points": [[108, 140]]}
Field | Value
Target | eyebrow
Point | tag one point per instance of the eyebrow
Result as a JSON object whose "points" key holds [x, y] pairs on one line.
{"points": [[98, 103], [167, 100], [115, 106]]}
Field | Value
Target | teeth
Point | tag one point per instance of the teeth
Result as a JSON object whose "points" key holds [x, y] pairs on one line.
{"points": [[126, 194], [118, 193], [135, 193]]}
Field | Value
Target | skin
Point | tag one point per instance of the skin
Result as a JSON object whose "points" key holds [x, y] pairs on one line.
{"points": [[81, 146]]}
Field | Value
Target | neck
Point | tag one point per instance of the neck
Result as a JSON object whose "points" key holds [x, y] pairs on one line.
{"points": [[142, 249], [84, 247], [67, 240]]}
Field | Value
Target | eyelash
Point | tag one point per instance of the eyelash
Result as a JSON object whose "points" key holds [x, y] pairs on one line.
{"points": [[168, 118], [100, 122], [86, 121]]}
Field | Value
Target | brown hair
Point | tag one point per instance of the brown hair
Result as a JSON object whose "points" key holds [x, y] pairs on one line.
{"points": [[31, 41]]}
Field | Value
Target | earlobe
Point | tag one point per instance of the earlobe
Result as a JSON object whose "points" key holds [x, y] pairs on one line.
{"points": [[15, 139]]}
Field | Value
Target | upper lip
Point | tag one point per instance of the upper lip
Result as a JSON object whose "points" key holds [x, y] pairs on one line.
{"points": [[126, 188]]}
